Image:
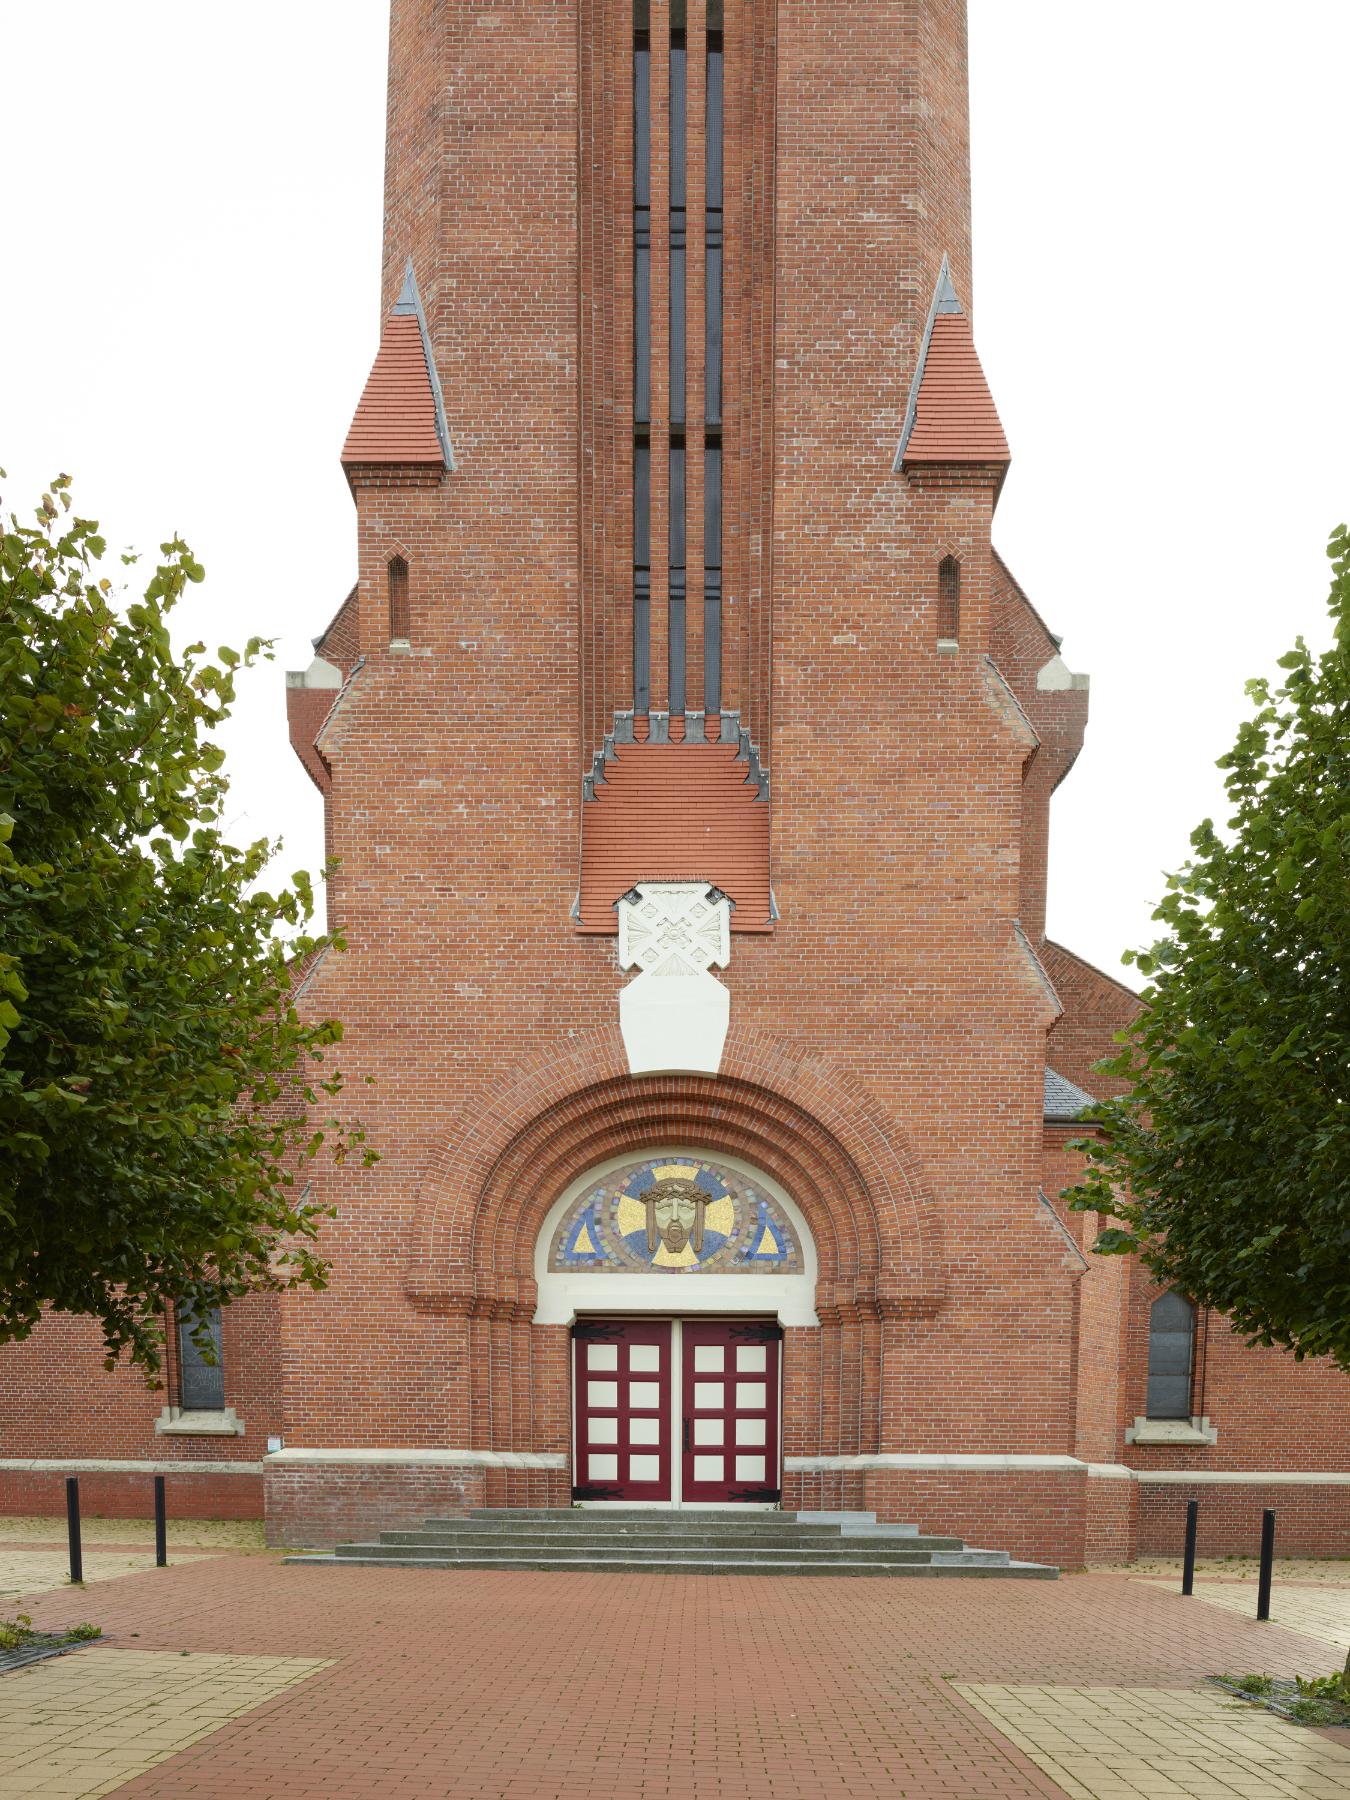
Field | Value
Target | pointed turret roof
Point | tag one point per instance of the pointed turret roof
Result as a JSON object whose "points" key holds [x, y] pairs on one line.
{"points": [[401, 415], [951, 416]]}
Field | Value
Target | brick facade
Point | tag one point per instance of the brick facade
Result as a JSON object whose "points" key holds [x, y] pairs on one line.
{"points": [[892, 1021]]}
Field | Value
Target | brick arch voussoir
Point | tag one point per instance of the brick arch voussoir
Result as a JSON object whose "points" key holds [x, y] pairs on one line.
{"points": [[555, 1153], [859, 1181]]}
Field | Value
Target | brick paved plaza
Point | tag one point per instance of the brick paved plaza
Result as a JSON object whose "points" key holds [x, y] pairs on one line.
{"points": [[231, 1674]]}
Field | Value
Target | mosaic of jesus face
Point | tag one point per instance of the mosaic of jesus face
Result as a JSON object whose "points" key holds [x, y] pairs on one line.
{"points": [[675, 1215]]}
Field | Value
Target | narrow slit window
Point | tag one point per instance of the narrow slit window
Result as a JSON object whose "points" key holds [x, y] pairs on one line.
{"points": [[678, 212], [400, 614], [712, 573], [642, 356], [642, 573], [642, 221], [949, 600], [712, 228], [201, 1383], [676, 640], [1171, 1357]]}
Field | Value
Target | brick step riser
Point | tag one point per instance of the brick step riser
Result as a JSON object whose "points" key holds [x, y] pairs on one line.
{"points": [[729, 1566]]}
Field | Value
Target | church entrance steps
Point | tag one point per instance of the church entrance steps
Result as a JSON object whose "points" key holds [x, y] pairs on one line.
{"points": [[687, 1542]]}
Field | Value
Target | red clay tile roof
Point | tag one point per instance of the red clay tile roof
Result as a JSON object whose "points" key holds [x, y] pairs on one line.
{"points": [[675, 812], [955, 419], [396, 419], [951, 416]]}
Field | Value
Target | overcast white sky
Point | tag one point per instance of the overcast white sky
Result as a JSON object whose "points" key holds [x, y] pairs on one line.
{"points": [[189, 307]]}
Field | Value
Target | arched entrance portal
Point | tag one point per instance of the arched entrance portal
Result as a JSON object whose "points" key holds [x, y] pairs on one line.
{"points": [[676, 1273]]}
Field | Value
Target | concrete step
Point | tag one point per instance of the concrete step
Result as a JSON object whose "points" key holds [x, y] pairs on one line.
{"points": [[731, 1565], [526, 1551], [693, 1542], [632, 1536], [676, 1524]]}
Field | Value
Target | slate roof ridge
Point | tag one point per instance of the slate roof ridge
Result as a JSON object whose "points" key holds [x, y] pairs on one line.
{"points": [[410, 301]]}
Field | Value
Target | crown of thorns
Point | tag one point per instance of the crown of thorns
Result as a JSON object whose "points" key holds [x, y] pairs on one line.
{"points": [[676, 1188]]}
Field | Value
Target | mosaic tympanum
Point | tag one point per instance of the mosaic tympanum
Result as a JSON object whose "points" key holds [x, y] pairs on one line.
{"points": [[675, 1215]]}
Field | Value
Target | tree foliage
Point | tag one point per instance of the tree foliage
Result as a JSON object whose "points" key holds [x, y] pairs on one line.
{"points": [[1227, 1164], [158, 1090]]}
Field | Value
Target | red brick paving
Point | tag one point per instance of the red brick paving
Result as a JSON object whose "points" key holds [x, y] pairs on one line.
{"points": [[531, 1686]]}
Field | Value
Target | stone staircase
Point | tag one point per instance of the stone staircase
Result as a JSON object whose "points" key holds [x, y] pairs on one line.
{"points": [[675, 1543]]}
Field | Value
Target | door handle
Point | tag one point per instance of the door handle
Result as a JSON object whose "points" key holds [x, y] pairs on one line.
{"points": [[686, 1434]]}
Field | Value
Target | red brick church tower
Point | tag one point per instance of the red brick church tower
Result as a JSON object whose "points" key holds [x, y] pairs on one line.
{"points": [[687, 753]]}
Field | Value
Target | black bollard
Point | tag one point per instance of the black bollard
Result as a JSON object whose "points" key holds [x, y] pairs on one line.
{"points": [[73, 1527], [161, 1526], [1188, 1566], [1267, 1564]]}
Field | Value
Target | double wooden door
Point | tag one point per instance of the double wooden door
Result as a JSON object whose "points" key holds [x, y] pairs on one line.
{"points": [[676, 1411]]}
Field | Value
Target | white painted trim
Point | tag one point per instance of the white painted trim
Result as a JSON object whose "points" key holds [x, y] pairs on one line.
{"points": [[789, 1298], [1196, 1430], [223, 1421], [1246, 1477], [94, 1465], [956, 1460], [436, 1459]]}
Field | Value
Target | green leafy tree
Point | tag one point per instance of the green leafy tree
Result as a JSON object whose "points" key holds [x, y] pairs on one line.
{"points": [[1227, 1163], [159, 1094]]}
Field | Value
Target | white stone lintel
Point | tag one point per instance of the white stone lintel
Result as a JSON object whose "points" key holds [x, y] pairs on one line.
{"points": [[433, 1459]]}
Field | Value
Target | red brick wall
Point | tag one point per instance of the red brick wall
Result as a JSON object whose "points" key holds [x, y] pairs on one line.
{"points": [[321, 1504], [1309, 1521], [187, 1494], [1036, 1517], [56, 1398]]}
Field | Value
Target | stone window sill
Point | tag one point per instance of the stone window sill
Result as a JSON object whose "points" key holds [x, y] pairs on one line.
{"points": [[1172, 1431], [174, 1422]]}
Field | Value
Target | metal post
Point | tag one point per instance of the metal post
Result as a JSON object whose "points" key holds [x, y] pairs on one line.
{"points": [[161, 1526], [73, 1527], [1188, 1566], [1267, 1564]]}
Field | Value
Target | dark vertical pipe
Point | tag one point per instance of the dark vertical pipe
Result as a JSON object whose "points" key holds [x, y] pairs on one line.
{"points": [[1267, 1564], [1188, 1563], [161, 1526], [73, 1527]]}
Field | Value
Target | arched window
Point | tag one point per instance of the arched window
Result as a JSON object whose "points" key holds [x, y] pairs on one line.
{"points": [[1171, 1355], [400, 615], [949, 600], [201, 1384]]}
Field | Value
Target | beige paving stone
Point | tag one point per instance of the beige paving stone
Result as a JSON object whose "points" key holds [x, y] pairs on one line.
{"points": [[84, 1724], [1109, 1743], [49, 1529], [37, 1571], [1316, 1612]]}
